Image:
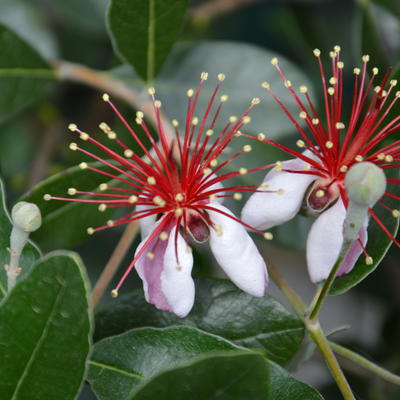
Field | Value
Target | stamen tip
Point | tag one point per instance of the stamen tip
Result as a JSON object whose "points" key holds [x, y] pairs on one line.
{"points": [[114, 293], [106, 97]]}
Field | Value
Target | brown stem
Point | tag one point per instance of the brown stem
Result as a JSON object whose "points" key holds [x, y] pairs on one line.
{"points": [[117, 256]]}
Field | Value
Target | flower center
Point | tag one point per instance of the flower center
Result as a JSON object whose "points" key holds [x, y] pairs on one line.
{"points": [[322, 194]]}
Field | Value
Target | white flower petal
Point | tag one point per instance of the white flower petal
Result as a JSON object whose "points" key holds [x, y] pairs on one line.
{"points": [[237, 254], [214, 186], [266, 210], [176, 279], [147, 224], [325, 240]]}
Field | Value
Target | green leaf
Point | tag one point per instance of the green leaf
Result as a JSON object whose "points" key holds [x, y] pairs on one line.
{"points": [[143, 32], [377, 246], [29, 255], [224, 376], [245, 67], [115, 372], [220, 308], [24, 75], [65, 223], [44, 331], [285, 387]]}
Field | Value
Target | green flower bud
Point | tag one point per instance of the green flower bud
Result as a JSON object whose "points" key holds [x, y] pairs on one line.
{"points": [[26, 216], [365, 184]]}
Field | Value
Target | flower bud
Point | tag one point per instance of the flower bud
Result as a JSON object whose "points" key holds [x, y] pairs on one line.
{"points": [[26, 216], [365, 184]]}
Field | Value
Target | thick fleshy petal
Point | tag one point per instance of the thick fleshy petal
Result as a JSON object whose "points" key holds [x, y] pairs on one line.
{"points": [[176, 279], [215, 186], [266, 210], [167, 284], [147, 224], [325, 240], [236, 253]]}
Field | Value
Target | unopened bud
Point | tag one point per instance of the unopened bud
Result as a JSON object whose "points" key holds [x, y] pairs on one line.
{"points": [[365, 184], [26, 216]]}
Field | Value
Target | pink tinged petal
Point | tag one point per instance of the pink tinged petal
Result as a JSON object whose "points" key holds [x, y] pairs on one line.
{"points": [[167, 287], [236, 253], [147, 224], [266, 210], [325, 240], [176, 279]]}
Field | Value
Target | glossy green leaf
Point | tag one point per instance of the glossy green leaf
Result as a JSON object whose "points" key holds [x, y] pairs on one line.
{"points": [[377, 246], [24, 75], [115, 372], [143, 32], [65, 223], [284, 387], [225, 376], [44, 331], [29, 255], [220, 308], [245, 66]]}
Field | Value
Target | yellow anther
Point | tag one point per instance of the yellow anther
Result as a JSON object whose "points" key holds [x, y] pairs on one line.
{"points": [[356, 71], [112, 135], [195, 121], [212, 197], [247, 148], [179, 197], [150, 255], [331, 91], [72, 127], [332, 54], [47, 197], [307, 166], [175, 123], [139, 121], [246, 119], [84, 136], [218, 230], [315, 121], [133, 199], [237, 196], [110, 223], [178, 212], [151, 180], [268, 236], [389, 158], [397, 94], [320, 193], [163, 236], [242, 171], [214, 162], [377, 89], [83, 165], [103, 186], [384, 93], [303, 89], [303, 115], [73, 146], [328, 144], [396, 213], [139, 114], [224, 98], [190, 92], [343, 168], [288, 84], [159, 201], [207, 171], [274, 61], [340, 64], [106, 97], [72, 191], [128, 153], [393, 82], [359, 158], [264, 186], [337, 48], [381, 156], [151, 91], [369, 260], [260, 136], [339, 125], [365, 58], [90, 231], [209, 132], [104, 127], [221, 77], [204, 76], [255, 100], [114, 293], [317, 52], [157, 104], [375, 71], [102, 207], [178, 267], [300, 143]]}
